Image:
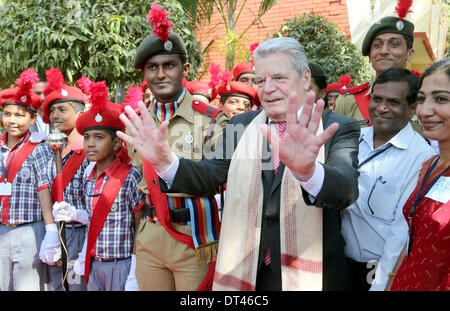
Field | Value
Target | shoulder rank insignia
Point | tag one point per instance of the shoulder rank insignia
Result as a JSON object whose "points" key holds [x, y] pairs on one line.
{"points": [[205, 109]]}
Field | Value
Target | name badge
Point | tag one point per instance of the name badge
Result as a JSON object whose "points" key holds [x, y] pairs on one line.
{"points": [[5, 188], [441, 190]]}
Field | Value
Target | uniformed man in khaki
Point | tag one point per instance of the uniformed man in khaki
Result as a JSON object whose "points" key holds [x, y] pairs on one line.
{"points": [[388, 43], [162, 261]]}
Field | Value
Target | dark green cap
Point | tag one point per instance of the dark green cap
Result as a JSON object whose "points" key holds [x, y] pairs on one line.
{"points": [[388, 24], [152, 45], [316, 70]]}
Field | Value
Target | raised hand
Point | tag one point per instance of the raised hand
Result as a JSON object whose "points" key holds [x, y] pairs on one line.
{"points": [[300, 146], [149, 141]]}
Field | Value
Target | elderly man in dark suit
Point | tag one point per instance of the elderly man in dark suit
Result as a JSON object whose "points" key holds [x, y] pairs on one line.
{"points": [[272, 237]]}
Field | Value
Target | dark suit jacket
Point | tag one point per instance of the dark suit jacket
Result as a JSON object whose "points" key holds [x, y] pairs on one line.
{"points": [[339, 190]]}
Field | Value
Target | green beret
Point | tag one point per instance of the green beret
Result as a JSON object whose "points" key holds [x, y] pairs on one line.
{"points": [[388, 24], [316, 70], [152, 45]]}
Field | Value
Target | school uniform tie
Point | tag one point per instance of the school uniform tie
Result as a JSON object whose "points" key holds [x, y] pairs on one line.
{"points": [[281, 129]]}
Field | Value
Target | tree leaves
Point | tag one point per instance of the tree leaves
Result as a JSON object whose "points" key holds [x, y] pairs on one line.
{"points": [[325, 44], [84, 37]]}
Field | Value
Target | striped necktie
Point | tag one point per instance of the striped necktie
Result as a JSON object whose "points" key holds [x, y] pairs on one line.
{"points": [[281, 129]]}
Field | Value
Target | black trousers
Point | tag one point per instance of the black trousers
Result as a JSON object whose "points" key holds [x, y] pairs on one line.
{"points": [[359, 272]]}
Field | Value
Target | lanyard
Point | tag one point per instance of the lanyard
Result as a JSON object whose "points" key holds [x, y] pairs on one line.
{"points": [[421, 194], [373, 155], [8, 165]]}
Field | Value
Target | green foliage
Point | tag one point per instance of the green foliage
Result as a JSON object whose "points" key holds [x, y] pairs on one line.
{"points": [[229, 11], [96, 38], [326, 45]]}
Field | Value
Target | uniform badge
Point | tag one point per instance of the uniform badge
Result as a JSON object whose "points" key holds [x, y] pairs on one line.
{"points": [[98, 118], [23, 99], [64, 92], [114, 207], [25, 173], [168, 45], [75, 183], [189, 139], [400, 25]]}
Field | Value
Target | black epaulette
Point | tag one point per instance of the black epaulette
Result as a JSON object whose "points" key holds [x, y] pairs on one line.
{"points": [[205, 108]]}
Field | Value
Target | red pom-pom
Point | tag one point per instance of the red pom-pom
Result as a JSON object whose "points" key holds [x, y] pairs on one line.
{"points": [[55, 80], [84, 82], [26, 82], [217, 75], [403, 8], [417, 73], [159, 19], [133, 97], [252, 49], [345, 80], [99, 96]]}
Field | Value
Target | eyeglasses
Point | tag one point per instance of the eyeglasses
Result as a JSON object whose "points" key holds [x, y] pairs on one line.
{"points": [[379, 179]]}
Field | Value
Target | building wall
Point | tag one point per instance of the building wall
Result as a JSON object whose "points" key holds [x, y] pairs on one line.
{"points": [[335, 10]]}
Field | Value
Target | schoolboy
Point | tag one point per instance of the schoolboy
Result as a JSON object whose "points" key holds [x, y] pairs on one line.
{"points": [[24, 189], [110, 202]]}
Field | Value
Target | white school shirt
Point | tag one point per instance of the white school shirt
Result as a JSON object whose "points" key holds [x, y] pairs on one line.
{"points": [[385, 183]]}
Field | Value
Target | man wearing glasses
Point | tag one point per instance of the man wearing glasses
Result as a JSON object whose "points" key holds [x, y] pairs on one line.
{"points": [[390, 156]]}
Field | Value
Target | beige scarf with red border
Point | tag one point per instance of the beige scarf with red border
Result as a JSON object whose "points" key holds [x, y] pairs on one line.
{"points": [[300, 225]]}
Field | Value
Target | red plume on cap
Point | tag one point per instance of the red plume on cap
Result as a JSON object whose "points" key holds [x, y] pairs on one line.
{"points": [[217, 75], [26, 83], [84, 82], [417, 73], [159, 19], [133, 97], [252, 49], [403, 8], [345, 80], [99, 96], [55, 80]]}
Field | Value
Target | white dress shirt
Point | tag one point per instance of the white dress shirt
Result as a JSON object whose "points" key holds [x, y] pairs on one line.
{"points": [[312, 186], [374, 227]]}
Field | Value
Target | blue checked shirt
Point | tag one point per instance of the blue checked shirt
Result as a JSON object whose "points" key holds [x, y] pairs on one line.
{"points": [[74, 192], [24, 205], [117, 235]]}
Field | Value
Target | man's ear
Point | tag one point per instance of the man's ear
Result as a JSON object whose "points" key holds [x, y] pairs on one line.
{"points": [[186, 69], [409, 55]]}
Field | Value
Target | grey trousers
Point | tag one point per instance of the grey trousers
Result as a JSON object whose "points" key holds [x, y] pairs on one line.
{"points": [[20, 266], [74, 239], [108, 276]]}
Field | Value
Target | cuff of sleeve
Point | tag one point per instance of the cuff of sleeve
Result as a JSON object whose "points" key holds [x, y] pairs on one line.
{"points": [[43, 187], [314, 184], [169, 174]]}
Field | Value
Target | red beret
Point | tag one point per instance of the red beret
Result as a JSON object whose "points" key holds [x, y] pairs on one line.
{"points": [[201, 88], [65, 94], [106, 119], [242, 68], [102, 114], [22, 95], [236, 88], [13, 96]]}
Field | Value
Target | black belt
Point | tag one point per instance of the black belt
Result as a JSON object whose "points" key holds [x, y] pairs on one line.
{"points": [[176, 214], [74, 224], [110, 260]]}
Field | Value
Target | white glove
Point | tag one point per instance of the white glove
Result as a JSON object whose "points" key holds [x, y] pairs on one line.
{"points": [[78, 265], [132, 284], [50, 251], [63, 211]]}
